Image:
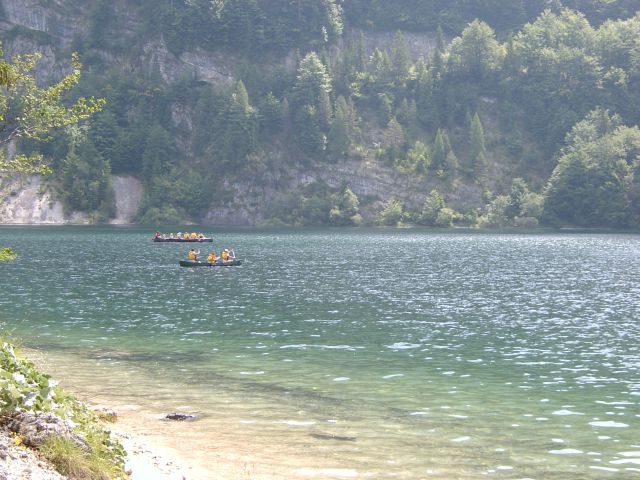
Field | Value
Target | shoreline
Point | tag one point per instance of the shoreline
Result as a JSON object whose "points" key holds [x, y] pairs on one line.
{"points": [[146, 458], [145, 461]]}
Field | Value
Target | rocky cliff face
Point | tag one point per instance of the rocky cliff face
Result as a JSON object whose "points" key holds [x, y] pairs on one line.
{"points": [[24, 200], [53, 26], [28, 200]]}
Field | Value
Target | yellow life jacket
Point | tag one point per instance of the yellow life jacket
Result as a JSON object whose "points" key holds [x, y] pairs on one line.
{"points": [[191, 255], [212, 258]]}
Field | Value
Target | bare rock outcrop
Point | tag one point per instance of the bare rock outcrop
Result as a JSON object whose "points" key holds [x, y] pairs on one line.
{"points": [[35, 428], [18, 462]]}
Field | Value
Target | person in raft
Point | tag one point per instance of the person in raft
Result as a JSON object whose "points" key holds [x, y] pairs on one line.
{"points": [[226, 256], [212, 257], [193, 255]]}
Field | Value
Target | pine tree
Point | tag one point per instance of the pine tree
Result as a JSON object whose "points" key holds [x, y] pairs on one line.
{"points": [[437, 59], [240, 136], [394, 140], [271, 114], [311, 104], [401, 58], [439, 151], [451, 164], [159, 153], [338, 138], [105, 134], [86, 180], [517, 197], [477, 149], [432, 206]]}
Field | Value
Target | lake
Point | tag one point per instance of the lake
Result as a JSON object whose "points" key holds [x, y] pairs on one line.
{"points": [[346, 353]]}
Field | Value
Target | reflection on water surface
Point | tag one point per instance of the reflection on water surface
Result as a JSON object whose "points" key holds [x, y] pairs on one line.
{"points": [[350, 354]]}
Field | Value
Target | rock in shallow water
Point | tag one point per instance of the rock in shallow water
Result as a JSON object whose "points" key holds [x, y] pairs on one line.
{"points": [[179, 416]]}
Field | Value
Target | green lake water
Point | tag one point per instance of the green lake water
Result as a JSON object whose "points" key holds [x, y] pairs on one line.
{"points": [[351, 353]]}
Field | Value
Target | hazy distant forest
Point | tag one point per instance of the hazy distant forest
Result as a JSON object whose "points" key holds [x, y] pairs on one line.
{"points": [[533, 103]]}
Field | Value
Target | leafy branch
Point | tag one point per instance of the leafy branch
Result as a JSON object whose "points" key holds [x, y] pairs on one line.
{"points": [[28, 111]]}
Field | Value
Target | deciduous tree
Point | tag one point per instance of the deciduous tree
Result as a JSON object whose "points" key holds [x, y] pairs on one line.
{"points": [[28, 111]]}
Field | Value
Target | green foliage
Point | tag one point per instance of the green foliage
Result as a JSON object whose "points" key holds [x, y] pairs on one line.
{"points": [[394, 140], [521, 208], [311, 104], [271, 114], [477, 149], [24, 388], [495, 216], [28, 111], [240, 127], [159, 155], [476, 53], [7, 254], [417, 159], [546, 68], [174, 196], [444, 160], [346, 209], [392, 213], [86, 181], [453, 15], [593, 184], [446, 217], [250, 27], [309, 206], [339, 138], [433, 205]]}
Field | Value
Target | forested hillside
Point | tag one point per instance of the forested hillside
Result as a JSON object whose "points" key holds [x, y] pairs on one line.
{"points": [[310, 112]]}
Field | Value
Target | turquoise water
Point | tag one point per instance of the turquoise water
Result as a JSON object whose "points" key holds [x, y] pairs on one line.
{"points": [[353, 353]]}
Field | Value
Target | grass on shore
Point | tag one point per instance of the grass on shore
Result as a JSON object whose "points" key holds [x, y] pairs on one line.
{"points": [[23, 388], [77, 464]]}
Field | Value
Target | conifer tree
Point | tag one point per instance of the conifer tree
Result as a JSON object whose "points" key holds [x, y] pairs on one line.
{"points": [[439, 151], [311, 104], [477, 148], [159, 153], [401, 58], [432, 206], [240, 135], [105, 135], [86, 180], [394, 139], [437, 58], [271, 114], [338, 138]]}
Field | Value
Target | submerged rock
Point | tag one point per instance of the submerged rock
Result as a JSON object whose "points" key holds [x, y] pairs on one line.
{"points": [[331, 436], [179, 416]]}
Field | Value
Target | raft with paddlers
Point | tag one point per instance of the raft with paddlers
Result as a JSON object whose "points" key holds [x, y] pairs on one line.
{"points": [[183, 240], [181, 237], [217, 263]]}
